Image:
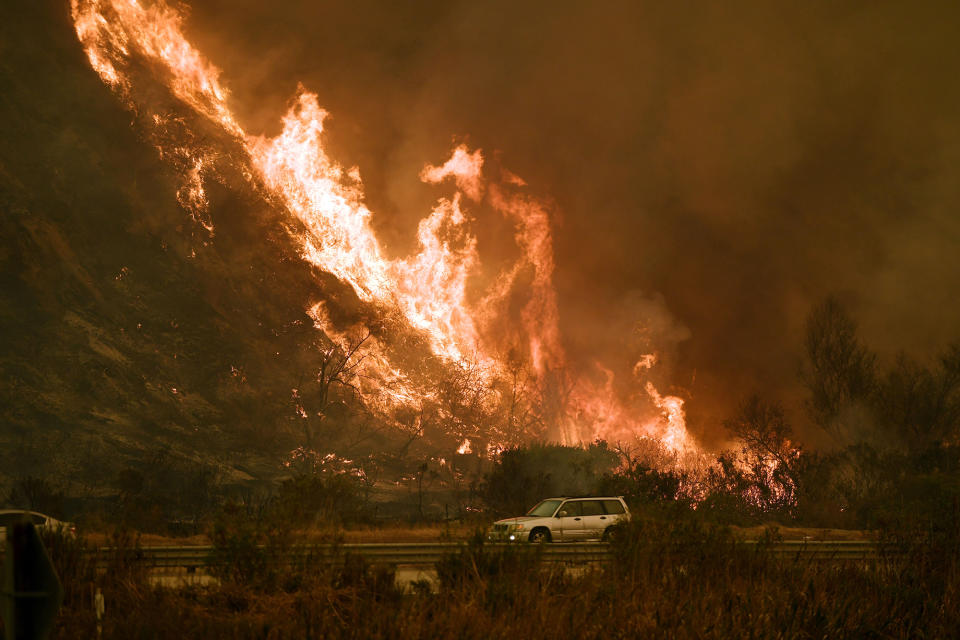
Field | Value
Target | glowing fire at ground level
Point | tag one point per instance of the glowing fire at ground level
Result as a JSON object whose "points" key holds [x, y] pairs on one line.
{"points": [[504, 356]]}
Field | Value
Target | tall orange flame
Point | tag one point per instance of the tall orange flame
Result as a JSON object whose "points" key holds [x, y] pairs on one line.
{"points": [[429, 288], [328, 200]]}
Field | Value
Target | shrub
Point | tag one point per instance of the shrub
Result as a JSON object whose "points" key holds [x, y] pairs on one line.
{"points": [[522, 476]]}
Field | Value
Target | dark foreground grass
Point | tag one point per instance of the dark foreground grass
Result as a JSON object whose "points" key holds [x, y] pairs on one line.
{"points": [[679, 579]]}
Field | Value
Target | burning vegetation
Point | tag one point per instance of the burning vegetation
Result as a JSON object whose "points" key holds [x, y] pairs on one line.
{"points": [[293, 324], [443, 331], [204, 334]]}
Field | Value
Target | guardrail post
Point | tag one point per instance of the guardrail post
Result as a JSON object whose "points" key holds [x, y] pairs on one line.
{"points": [[98, 607]]}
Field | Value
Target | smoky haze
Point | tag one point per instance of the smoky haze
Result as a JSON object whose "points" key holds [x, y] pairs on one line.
{"points": [[715, 168]]}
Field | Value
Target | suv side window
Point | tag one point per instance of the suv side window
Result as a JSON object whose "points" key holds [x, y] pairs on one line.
{"points": [[592, 508], [613, 506], [572, 508]]}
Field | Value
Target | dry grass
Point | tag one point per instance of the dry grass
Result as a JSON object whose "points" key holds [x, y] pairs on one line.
{"points": [[802, 533], [677, 579], [103, 539]]}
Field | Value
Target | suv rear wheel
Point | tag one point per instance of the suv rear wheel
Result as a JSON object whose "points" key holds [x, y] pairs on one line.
{"points": [[540, 534]]}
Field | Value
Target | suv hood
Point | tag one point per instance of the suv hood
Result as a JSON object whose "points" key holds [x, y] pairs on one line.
{"points": [[517, 520]]}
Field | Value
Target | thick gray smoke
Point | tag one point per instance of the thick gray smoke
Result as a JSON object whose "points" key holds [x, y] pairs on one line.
{"points": [[732, 161]]}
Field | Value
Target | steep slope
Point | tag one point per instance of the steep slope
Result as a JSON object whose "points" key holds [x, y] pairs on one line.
{"points": [[175, 283], [125, 326]]}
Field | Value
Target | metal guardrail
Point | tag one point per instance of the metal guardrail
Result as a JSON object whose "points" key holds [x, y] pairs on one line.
{"points": [[411, 553], [825, 549], [424, 553]]}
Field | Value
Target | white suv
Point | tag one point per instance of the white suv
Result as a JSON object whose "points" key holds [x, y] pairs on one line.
{"points": [[564, 519], [42, 522]]}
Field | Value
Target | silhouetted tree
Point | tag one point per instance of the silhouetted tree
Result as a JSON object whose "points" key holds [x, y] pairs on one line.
{"points": [[643, 482], [522, 476], [765, 434], [37, 494], [519, 416], [763, 477], [319, 398], [465, 401], [839, 372], [919, 406]]}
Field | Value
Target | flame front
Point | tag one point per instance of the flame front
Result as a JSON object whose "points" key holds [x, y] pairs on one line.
{"points": [[431, 290]]}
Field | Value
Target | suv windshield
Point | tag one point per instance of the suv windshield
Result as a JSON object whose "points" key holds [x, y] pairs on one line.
{"points": [[545, 508]]}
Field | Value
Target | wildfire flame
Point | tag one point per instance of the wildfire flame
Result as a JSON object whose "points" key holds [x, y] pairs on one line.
{"points": [[430, 289]]}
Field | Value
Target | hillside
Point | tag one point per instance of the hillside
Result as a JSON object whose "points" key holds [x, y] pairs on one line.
{"points": [[126, 327]]}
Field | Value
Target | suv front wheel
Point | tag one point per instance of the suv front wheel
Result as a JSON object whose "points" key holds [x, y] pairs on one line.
{"points": [[540, 535]]}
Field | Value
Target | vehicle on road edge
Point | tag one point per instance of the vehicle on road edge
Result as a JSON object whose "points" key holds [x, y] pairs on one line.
{"points": [[41, 521], [565, 519]]}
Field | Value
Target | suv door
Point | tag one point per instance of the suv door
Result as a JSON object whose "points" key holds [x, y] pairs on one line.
{"points": [[570, 521], [595, 519]]}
